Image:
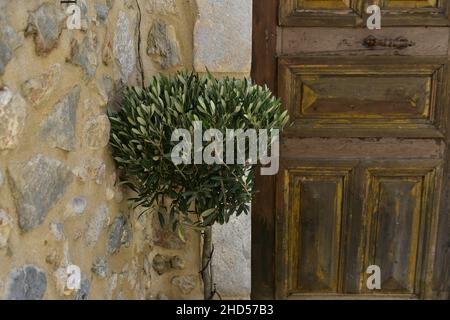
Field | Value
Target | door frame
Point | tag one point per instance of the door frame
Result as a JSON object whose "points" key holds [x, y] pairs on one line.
{"points": [[264, 71], [264, 205]]}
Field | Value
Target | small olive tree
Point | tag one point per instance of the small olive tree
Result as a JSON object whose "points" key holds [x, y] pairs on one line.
{"points": [[196, 195]]}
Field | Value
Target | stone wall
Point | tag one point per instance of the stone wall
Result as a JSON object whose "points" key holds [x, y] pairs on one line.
{"points": [[59, 203]]}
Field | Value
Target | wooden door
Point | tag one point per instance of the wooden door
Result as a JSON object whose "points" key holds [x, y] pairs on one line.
{"points": [[364, 167]]}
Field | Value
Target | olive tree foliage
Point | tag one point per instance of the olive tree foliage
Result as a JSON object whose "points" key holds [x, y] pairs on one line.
{"points": [[188, 194]]}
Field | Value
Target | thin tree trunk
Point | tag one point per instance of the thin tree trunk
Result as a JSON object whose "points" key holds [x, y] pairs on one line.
{"points": [[206, 263]]}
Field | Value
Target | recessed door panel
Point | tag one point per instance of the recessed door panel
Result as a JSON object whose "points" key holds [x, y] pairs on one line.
{"points": [[320, 12], [414, 4], [372, 95], [401, 209], [351, 13], [317, 201], [415, 13]]}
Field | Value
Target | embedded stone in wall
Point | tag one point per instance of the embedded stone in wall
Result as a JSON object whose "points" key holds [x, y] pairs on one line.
{"points": [[223, 36], [58, 130], [177, 262], [57, 229], [75, 207], [164, 237], [85, 288], [186, 284], [108, 87], [13, 113], [5, 228], [9, 36], [147, 264], [112, 284], [66, 255], [37, 89], [118, 195], [95, 225], [132, 271], [10, 40], [91, 170], [61, 276], [161, 6], [5, 56], [116, 97], [130, 4], [102, 11], [100, 267], [45, 25], [84, 14], [110, 194], [85, 55], [3, 4], [2, 178], [36, 186], [25, 283], [107, 49], [119, 235], [105, 89], [96, 132], [123, 50], [110, 4], [162, 263], [163, 45], [53, 259], [161, 296]]}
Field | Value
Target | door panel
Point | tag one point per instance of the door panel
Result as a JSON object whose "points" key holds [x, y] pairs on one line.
{"points": [[317, 200], [414, 4], [364, 97], [401, 209], [351, 13], [395, 220], [417, 13], [320, 12]]}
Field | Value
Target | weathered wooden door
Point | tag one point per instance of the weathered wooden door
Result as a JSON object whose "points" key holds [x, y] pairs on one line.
{"points": [[363, 177]]}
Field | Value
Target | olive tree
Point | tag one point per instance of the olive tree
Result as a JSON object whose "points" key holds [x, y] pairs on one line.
{"points": [[188, 194]]}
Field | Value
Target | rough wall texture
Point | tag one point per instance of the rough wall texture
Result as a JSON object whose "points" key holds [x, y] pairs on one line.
{"points": [[232, 258], [59, 204], [227, 29]]}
